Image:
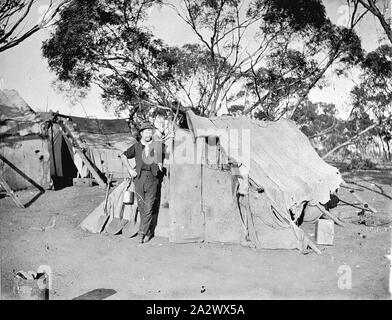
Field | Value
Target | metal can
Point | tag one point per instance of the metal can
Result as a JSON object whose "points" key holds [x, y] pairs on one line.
{"points": [[32, 289], [128, 197]]}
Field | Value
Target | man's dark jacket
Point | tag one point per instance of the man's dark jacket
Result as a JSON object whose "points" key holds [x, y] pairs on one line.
{"points": [[156, 156]]}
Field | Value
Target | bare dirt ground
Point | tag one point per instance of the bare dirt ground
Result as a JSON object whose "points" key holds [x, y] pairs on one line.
{"points": [[82, 262]]}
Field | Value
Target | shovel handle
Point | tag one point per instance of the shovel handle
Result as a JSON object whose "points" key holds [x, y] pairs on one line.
{"points": [[130, 181], [107, 194]]}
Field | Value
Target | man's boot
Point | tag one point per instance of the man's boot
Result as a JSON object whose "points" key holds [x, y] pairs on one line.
{"points": [[149, 236]]}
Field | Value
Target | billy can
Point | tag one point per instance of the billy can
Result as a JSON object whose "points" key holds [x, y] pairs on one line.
{"points": [[128, 197]]}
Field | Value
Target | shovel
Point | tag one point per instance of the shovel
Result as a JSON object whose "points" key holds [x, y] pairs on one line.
{"points": [[117, 223], [132, 227], [104, 218]]}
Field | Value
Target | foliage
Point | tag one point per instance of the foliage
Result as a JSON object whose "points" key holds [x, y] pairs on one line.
{"points": [[14, 18], [370, 119], [378, 9], [320, 123], [316, 118], [285, 76], [290, 74], [105, 42], [236, 109], [359, 163], [373, 95]]}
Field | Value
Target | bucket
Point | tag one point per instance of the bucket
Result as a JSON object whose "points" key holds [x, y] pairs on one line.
{"points": [[32, 289], [128, 197]]}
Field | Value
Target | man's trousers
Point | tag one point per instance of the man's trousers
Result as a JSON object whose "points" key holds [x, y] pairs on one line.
{"points": [[148, 189]]}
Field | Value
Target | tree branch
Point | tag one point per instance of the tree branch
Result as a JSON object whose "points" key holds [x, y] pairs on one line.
{"points": [[349, 141]]}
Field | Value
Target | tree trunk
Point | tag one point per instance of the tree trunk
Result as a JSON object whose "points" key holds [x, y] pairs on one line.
{"points": [[212, 112], [312, 84], [389, 151], [374, 152], [372, 7], [383, 147], [256, 104], [328, 130], [349, 141]]}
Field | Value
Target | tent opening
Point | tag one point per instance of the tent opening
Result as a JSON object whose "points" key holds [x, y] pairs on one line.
{"points": [[62, 166]]}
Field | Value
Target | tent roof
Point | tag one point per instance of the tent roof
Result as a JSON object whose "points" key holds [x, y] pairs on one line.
{"points": [[100, 133], [13, 107], [17, 118], [100, 126], [282, 159]]}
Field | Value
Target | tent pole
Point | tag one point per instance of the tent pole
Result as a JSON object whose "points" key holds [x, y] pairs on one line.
{"points": [[364, 203], [10, 192], [52, 147], [90, 167], [35, 184], [311, 244], [82, 155], [330, 215]]}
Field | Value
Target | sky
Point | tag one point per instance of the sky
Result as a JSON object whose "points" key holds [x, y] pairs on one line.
{"points": [[24, 69]]}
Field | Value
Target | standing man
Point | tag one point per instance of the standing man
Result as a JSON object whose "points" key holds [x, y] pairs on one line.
{"points": [[148, 177]]}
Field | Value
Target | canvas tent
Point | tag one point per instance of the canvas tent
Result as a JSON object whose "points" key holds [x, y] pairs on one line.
{"points": [[23, 143], [75, 140], [212, 199], [40, 146]]}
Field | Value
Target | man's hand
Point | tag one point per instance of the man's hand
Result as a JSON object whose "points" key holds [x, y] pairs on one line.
{"points": [[132, 173]]}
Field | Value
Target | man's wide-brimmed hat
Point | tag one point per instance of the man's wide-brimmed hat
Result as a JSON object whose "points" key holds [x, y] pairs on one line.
{"points": [[146, 125]]}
